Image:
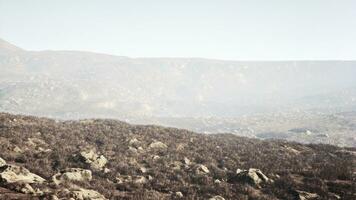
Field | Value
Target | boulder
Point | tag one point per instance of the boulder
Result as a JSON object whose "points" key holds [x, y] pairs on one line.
{"points": [[106, 170], [179, 194], [139, 179], [143, 170], [133, 179], [180, 147], [302, 195], [27, 189], [42, 150], [123, 179], [217, 198], [86, 194], [186, 161], [35, 142], [202, 169], [94, 160], [251, 176], [17, 149], [158, 145], [156, 157], [72, 174], [132, 150], [18, 174], [134, 142], [176, 165], [2, 162]]}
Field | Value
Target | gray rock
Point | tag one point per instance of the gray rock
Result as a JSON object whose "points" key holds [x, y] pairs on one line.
{"points": [[186, 161], [252, 176], [18, 174], [217, 198], [158, 145], [94, 160], [202, 169], [86, 194], [302, 195], [179, 194], [134, 142], [132, 179], [2, 162], [72, 174]]}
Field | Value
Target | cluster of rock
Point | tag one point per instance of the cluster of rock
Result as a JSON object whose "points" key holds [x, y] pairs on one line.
{"points": [[65, 181], [72, 174], [252, 176], [95, 161], [302, 195], [20, 179]]}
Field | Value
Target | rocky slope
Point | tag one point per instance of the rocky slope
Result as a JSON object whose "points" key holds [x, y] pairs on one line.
{"points": [[108, 159]]}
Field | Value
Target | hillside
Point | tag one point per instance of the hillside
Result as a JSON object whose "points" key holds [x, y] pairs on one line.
{"points": [[75, 84], [299, 126], [97, 159], [202, 95]]}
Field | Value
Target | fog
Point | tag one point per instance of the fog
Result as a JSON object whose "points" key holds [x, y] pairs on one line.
{"points": [[69, 84]]}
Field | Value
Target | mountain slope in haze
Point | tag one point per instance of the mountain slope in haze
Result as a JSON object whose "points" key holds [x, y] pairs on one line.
{"points": [[8, 48], [73, 84], [98, 159], [298, 126], [199, 94]]}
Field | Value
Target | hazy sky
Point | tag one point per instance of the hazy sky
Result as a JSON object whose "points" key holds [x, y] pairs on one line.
{"points": [[235, 29]]}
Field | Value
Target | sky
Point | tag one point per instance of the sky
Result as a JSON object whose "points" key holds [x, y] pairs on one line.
{"points": [[219, 29]]}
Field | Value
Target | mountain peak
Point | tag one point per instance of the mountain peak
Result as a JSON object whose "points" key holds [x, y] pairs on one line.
{"points": [[6, 47]]}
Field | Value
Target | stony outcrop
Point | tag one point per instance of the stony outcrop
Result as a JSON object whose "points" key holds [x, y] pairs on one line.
{"points": [[12, 194], [18, 174], [158, 145], [17, 150], [34, 142], [132, 179], [94, 160], [217, 198], [86, 194], [134, 142], [302, 195], [186, 161], [202, 169], [251, 176], [2, 162], [179, 194], [72, 174]]}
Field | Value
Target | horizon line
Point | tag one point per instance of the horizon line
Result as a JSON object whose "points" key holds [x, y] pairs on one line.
{"points": [[181, 57]]}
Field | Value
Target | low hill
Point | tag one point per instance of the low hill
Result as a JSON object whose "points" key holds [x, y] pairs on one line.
{"points": [[108, 159]]}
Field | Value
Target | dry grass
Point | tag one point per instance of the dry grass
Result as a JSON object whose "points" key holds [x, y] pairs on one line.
{"points": [[321, 169]]}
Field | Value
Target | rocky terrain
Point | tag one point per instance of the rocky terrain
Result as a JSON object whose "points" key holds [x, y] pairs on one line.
{"points": [[107, 159]]}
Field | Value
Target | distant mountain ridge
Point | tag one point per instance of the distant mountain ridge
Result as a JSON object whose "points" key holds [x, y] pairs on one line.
{"points": [[6, 47], [70, 84]]}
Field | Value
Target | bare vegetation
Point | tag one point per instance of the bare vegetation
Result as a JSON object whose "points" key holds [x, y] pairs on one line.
{"points": [[152, 162]]}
